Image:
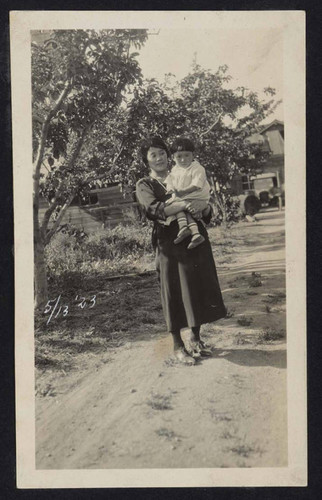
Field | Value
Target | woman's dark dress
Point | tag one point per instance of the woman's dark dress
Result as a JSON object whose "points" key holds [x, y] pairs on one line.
{"points": [[190, 292]]}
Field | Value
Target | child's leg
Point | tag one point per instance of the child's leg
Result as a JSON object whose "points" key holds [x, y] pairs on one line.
{"points": [[182, 220], [184, 231], [197, 238]]}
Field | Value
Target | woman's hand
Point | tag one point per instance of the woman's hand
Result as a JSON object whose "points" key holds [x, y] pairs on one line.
{"points": [[206, 211], [194, 207], [174, 207]]}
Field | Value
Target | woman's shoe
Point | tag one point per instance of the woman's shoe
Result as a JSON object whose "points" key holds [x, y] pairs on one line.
{"points": [[195, 242], [182, 235], [201, 348], [184, 357], [193, 351]]}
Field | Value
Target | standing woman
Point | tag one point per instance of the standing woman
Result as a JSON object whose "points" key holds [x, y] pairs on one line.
{"points": [[190, 292]]}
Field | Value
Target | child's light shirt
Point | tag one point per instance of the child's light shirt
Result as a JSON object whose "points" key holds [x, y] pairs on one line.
{"points": [[195, 175]]}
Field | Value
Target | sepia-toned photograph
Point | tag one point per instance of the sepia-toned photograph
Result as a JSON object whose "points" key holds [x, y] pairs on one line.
{"points": [[157, 205]]}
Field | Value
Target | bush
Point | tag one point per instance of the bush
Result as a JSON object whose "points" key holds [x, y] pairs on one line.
{"points": [[62, 254], [121, 241], [108, 251], [227, 210]]}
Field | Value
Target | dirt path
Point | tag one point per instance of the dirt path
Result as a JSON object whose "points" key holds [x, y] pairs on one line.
{"points": [[138, 410]]}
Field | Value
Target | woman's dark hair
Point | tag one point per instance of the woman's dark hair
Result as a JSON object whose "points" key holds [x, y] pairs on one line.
{"points": [[153, 142], [182, 144]]}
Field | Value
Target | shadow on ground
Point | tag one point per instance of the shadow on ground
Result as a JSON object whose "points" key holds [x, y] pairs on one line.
{"points": [[253, 357]]}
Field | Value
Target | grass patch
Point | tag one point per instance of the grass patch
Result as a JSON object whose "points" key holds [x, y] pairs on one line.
{"points": [[255, 280], [229, 314], [167, 433], [245, 321], [244, 450], [123, 249], [275, 298], [160, 402], [270, 334], [125, 310]]}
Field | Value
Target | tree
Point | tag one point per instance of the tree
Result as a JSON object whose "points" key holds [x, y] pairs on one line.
{"points": [[79, 79], [217, 118]]}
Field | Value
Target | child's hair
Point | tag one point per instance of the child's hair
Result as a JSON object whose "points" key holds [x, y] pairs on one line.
{"points": [[182, 144], [152, 142]]}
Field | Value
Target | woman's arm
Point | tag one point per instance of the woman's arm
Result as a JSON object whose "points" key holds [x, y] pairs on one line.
{"points": [[153, 207], [175, 207], [194, 208]]}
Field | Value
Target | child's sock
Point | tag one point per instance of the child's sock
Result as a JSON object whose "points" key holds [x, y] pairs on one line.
{"points": [[197, 238], [182, 222], [194, 230], [183, 232]]}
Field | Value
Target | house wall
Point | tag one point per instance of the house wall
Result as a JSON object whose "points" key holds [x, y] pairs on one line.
{"points": [[272, 140], [109, 211], [275, 141]]}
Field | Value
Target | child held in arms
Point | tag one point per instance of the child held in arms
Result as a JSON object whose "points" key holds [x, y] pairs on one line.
{"points": [[187, 181]]}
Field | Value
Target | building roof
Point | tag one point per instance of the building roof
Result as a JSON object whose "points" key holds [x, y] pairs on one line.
{"points": [[269, 125]]}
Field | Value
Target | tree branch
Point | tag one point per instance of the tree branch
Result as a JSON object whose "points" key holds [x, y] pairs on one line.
{"points": [[47, 216], [43, 138], [61, 214], [212, 126], [62, 186]]}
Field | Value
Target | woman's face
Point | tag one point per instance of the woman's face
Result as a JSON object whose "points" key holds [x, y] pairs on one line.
{"points": [[157, 159]]}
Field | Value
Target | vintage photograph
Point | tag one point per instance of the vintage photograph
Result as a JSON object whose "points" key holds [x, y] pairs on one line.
{"points": [[159, 204]]}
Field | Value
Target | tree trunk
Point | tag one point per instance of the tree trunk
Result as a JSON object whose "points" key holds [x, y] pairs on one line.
{"points": [[40, 273]]}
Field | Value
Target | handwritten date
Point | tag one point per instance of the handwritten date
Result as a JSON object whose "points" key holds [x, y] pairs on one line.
{"points": [[55, 307]]}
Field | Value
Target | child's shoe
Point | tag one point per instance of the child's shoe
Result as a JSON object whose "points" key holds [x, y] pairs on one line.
{"points": [[182, 235], [196, 241]]}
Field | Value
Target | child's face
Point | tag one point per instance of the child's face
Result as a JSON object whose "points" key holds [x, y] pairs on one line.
{"points": [[183, 158]]}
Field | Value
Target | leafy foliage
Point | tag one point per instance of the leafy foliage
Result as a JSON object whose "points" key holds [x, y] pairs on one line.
{"points": [[97, 67], [217, 118], [92, 108]]}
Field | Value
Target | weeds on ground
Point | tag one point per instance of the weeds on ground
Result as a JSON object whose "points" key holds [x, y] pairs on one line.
{"points": [[167, 433], [245, 321], [270, 334], [226, 435], [275, 298], [220, 416], [255, 280], [120, 250], [245, 450], [160, 402], [242, 339], [124, 311]]}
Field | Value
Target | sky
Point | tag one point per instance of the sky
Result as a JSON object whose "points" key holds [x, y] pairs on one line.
{"points": [[254, 57]]}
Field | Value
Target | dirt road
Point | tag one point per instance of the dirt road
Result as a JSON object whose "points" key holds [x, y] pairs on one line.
{"points": [[139, 409]]}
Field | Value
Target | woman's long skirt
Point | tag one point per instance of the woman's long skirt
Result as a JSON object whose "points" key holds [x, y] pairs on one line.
{"points": [[190, 291]]}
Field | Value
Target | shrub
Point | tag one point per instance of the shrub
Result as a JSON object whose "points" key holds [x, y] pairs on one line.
{"points": [[120, 241], [227, 210], [244, 321], [113, 251]]}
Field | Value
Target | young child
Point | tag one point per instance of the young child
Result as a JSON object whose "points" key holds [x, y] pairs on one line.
{"points": [[187, 181]]}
